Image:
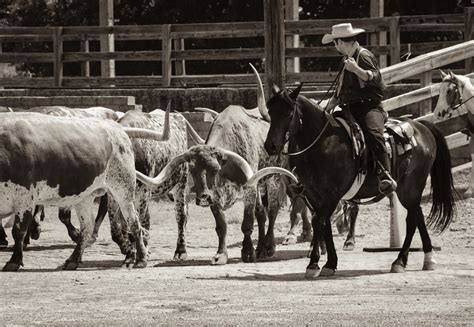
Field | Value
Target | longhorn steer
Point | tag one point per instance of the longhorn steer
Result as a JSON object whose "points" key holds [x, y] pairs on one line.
{"points": [[150, 158], [61, 161], [235, 140], [64, 213]]}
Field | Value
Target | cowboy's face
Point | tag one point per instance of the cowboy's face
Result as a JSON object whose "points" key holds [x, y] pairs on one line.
{"points": [[337, 44]]}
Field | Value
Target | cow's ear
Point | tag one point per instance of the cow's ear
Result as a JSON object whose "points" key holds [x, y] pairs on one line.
{"points": [[231, 171]]}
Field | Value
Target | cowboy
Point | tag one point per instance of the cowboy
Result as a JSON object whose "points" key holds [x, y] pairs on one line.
{"points": [[359, 91]]}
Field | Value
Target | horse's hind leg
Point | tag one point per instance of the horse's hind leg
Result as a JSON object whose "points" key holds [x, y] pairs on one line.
{"points": [[400, 263], [429, 263]]}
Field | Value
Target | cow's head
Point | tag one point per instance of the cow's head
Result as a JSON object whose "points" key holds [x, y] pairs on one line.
{"points": [[212, 168]]}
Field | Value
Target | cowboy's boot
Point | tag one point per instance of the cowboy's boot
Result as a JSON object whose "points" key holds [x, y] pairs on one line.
{"points": [[386, 183]]}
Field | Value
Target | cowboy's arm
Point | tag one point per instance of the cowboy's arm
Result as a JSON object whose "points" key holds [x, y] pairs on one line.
{"points": [[364, 74]]}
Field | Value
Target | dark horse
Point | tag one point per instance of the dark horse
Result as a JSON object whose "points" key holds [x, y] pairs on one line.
{"points": [[327, 170]]}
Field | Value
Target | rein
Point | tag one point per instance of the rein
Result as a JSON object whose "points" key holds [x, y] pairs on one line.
{"points": [[296, 119]]}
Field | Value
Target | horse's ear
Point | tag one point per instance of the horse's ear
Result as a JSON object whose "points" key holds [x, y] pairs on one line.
{"points": [[443, 74], [275, 89], [451, 74], [295, 92]]}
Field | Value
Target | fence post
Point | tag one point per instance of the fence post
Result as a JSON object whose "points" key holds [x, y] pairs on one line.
{"points": [[292, 41], [377, 10], [468, 35], [274, 44], [58, 56], [394, 40], [425, 105], [166, 55], [106, 18], [179, 65], [85, 66]]}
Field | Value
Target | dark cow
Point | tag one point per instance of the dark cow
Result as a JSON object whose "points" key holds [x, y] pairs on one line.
{"points": [[61, 161]]}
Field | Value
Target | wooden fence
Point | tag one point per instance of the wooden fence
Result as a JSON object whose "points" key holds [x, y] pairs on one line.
{"points": [[173, 53]]}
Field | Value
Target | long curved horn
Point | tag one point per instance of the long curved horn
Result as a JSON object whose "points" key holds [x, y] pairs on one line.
{"points": [[143, 133], [192, 132], [209, 111], [268, 171], [262, 106], [239, 161], [165, 173]]}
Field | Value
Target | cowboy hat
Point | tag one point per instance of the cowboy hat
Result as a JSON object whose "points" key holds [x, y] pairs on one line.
{"points": [[340, 31]]}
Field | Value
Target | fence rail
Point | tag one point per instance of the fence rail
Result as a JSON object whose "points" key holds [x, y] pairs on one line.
{"points": [[172, 54]]}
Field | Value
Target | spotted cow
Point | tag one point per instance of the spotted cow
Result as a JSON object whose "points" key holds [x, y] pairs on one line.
{"points": [[150, 158], [64, 213], [62, 161], [234, 137]]}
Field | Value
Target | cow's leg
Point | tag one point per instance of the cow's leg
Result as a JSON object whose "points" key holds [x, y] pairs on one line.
{"points": [[181, 212], [65, 217], [20, 227], [351, 211], [3, 236], [295, 217], [128, 211], [221, 257], [86, 220], [35, 227], [306, 233], [102, 211], [119, 232], [250, 211], [269, 247]]}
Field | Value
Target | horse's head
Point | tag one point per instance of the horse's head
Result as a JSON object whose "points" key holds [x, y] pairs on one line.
{"points": [[281, 109], [450, 96]]}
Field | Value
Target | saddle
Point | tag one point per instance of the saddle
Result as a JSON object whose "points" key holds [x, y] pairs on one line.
{"points": [[399, 140]]}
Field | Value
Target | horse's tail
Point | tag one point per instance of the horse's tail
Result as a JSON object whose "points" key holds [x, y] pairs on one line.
{"points": [[442, 187]]}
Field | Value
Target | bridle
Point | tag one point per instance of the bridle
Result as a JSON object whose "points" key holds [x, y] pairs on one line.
{"points": [[296, 122], [458, 94]]}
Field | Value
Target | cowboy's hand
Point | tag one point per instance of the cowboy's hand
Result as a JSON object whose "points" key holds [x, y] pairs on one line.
{"points": [[351, 65]]}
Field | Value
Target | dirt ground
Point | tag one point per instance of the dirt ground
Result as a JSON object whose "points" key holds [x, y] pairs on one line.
{"points": [[274, 292]]}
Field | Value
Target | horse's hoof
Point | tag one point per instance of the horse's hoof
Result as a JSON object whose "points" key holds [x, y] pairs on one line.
{"points": [[327, 272], [289, 239], [140, 263], [396, 268], [248, 256], [11, 266], [429, 263], [348, 246], [219, 259], [70, 265], [312, 272], [180, 256], [3, 244]]}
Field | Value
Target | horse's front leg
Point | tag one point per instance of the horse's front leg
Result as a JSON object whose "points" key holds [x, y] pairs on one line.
{"points": [[313, 270]]}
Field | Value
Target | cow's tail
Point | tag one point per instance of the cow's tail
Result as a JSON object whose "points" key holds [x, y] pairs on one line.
{"points": [[442, 187]]}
